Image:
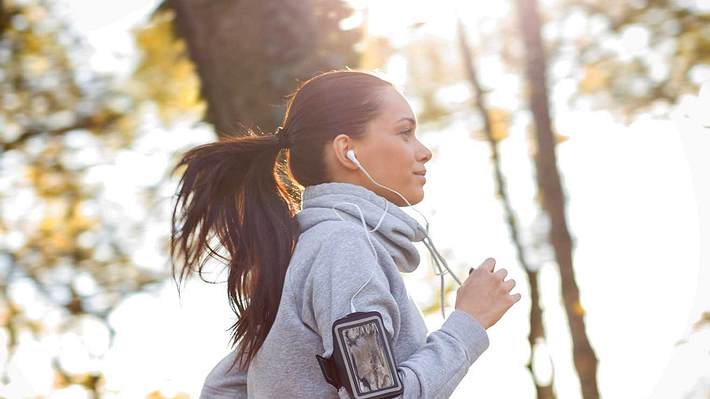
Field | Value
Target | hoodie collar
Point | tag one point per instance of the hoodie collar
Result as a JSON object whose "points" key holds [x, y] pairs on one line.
{"points": [[396, 232]]}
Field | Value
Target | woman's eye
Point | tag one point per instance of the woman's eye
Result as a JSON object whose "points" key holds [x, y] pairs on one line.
{"points": [[406, 132]]}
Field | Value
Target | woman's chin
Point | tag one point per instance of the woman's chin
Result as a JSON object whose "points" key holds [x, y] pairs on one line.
{"points": [[416, 195], [420, 198]]}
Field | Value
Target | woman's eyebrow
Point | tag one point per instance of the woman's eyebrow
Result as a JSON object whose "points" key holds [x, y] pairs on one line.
{"points": [[406, 118]]}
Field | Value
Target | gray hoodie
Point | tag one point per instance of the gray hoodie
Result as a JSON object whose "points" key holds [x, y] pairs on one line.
{"points": [[332, 264]]}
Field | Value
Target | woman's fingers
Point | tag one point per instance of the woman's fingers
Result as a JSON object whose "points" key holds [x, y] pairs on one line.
{"points": [[488, 264], [509, 284]]}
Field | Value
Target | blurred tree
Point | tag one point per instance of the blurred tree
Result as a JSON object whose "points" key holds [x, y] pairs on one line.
{"points": [[634, 56], [429, 73], [250, 54], [165, 73], [551, 194], [58, 119], [495, 130]]}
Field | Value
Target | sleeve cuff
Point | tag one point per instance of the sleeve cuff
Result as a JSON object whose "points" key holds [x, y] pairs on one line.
{"points": [[469, 331]]}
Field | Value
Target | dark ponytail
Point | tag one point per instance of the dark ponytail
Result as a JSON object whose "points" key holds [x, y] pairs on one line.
{"points": [[239, 190]]}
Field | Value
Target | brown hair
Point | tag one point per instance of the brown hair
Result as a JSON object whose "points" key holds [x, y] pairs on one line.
{"points": [[233, 188]]}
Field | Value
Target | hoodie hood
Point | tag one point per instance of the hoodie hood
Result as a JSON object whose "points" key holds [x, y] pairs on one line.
{"points": [[396, 232]]}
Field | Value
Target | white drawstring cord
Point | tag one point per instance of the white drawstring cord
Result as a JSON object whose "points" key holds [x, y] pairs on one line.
{"points": [[426, 232], [367, 235], [436, 256], [432, 250]]}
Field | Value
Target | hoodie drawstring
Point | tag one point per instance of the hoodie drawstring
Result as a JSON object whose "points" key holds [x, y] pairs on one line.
{"points": [[428, 242], [367, 235]]}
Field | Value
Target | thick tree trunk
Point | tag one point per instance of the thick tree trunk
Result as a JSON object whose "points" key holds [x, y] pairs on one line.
{"points": [[537, 329], [250, 54], [217, 35], [548, 180]]}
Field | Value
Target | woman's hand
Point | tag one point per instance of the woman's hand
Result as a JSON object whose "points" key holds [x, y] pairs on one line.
{"points": [[484, 295]]}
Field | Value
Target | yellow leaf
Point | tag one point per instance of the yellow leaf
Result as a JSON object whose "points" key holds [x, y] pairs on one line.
{"points": [[155, 395], [59, 381], [560, 138], [499, 123], [595, 78], [578, 309], [165, 74]]}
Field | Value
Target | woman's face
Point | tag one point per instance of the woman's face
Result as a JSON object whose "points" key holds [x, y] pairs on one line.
{"points": [[390, 152]]}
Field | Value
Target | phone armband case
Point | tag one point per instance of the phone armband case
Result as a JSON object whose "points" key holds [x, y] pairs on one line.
{"points": [[362, 359]]}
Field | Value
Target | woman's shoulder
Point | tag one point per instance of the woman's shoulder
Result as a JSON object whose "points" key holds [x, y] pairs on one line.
{"points": [[334, 235], [327, 229], [335, 243], [341, 250]]}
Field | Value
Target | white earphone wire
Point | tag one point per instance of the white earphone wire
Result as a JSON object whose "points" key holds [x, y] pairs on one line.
{"points": [[436, 256], [367, 234]]}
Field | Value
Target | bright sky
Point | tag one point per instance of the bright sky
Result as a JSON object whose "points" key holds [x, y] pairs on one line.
{"points": [[637, 210]]}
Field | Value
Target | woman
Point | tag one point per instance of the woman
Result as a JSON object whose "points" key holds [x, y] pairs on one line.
{"points": [[300, 261]]}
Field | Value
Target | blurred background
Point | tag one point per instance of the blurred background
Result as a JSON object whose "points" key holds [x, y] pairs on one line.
{"points": [[571, 142]]}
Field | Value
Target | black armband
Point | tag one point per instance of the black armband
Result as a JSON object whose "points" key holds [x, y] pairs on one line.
{"points": [[362, 359]]}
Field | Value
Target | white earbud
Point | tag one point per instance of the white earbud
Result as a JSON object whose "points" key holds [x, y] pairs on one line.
{"points": [[351, 155]]}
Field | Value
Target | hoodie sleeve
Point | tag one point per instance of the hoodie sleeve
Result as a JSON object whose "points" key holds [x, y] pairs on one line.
{"points": [[221, 384], [342, 265]]}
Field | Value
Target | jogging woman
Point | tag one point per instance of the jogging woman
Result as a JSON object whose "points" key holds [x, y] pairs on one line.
{"points": [[327, 241]]}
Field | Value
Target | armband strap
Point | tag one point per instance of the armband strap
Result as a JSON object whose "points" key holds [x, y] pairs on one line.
{"points": [[362, 359]]}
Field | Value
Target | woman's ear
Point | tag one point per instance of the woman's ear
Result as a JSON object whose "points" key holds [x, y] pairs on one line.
{"points": [[340, 146]]}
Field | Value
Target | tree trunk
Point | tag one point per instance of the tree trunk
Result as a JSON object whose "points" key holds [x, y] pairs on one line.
{"points": [[250, 54], [549, 186], [537, 329]]}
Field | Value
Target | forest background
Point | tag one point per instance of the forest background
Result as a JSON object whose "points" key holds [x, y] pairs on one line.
{"points": [[580, 129]]}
